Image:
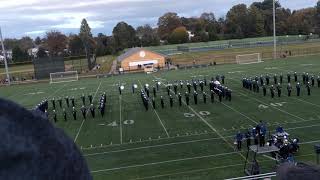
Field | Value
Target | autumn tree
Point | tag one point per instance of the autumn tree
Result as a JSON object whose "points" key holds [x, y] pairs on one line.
{"points": [[56, 42], [179, 36], [75, 45], [26, 43], [124, 36], [317, 18], [11, 43], [19, 55], [256, 22], [302, 21], [211, 26], [167, 23], [41, 52], [147, 36], [237, 21], [266, 7], [101, 41], [37, 41]]}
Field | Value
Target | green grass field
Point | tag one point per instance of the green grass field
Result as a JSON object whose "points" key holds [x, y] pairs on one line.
{"points": [[219, 42], [188, 142]]}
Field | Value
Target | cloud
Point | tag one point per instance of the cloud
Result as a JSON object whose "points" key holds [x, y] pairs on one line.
{"points": [[74, 24], [35, 32], [15, 3], [18, 17]]}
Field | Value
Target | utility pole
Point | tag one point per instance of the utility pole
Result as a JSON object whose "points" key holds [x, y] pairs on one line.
{"points": [[274, 31], [5, 58]]}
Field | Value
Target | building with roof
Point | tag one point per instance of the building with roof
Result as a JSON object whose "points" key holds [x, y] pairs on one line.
{"points": [[136, 59]]}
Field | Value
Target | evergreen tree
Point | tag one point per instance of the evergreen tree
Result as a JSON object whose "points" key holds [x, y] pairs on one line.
{"points": [[88, 42]]}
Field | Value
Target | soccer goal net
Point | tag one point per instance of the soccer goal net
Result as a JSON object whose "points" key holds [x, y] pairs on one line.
{"points": [[248, 58], [60, 77]]}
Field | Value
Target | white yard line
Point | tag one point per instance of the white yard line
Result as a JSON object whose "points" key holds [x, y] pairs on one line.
{"points": [[164, 128], [208, 124], [204, 169], [316, 105], [257, 100], [161, 123], [302, 127], [269, 157], [120, 125], [190, 171], [155, 146], [52, 94], [143, 141], [310, 142], [307, 102], [184, 142], [194, 135], [77, 135], [163, 162], [56, 91], [240, 113], [181, 159]]}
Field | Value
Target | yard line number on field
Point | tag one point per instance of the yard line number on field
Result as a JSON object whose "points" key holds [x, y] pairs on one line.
{"points": [[209, 125]]}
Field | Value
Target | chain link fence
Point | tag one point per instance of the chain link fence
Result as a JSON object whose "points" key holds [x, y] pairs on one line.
{"points": [[230, 58], [281, 41]]}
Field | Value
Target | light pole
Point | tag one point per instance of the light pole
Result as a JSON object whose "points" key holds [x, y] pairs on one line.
{"points": [[274, 32], [5, 58]]}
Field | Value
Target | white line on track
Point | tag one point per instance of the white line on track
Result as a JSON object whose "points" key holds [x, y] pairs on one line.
{"points": [[164, 128], [120, 124], [77, 135]]}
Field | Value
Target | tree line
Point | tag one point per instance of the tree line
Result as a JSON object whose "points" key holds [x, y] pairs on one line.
{"points": [[241, 21]]}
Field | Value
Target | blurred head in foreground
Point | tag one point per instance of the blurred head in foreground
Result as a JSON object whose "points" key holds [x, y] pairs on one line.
{"points": [[301, 171], [32, 148]]}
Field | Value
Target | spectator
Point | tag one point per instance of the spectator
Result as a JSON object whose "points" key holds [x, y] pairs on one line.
{"points": [[290, 171], [32, 148], [239, 138]]}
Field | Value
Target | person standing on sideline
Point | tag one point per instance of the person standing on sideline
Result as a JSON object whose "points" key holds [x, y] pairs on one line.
{"points": [[239, 138]]}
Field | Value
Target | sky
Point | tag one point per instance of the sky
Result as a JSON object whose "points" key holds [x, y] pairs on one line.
{"points": [[33, 18]]}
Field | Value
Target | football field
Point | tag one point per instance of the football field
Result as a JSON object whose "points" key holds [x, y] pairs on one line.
{"points": [[188, 142]]}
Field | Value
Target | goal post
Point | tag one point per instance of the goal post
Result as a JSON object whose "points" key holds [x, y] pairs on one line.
{"points": [[60, 77], [248, 58]]}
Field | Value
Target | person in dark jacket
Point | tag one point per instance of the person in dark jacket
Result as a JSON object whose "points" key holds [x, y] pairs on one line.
{"points": [[239, 138], [292, 171], [32, 148]]}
